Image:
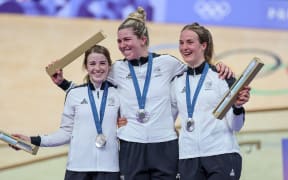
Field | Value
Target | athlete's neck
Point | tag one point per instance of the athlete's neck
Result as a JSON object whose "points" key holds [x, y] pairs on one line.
{"points": [[196, 64], [97, 85]]}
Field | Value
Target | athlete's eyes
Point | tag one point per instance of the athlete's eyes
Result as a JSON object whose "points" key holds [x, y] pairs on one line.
{"points": [[92, 63], [103, 62], [190, 41]]}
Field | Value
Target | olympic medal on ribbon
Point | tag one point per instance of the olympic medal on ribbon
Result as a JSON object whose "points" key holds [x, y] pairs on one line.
{"points": [[190, 125], [142, 116], [100, 140]]}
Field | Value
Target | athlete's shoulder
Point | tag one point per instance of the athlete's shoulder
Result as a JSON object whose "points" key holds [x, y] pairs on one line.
{"points": [[179, 76], [111, 85], [77, 87], [119, 66], [229, 80], [118, 62], [165, 56], [75, 91], [213, 68], [170, 59]]}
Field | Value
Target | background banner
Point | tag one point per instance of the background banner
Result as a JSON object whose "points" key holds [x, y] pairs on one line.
{"points": [[253, 13]]}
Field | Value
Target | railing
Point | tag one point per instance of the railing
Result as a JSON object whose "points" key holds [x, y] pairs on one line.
{"points": [[250, 145], [28, 162]]}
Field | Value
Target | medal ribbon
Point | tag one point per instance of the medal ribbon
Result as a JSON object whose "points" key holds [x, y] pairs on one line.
{"points": [[98, 121], [141, 99], [191, 106]]}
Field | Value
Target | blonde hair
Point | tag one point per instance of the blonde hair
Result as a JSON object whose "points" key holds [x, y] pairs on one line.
{"points": [[136, 21]]}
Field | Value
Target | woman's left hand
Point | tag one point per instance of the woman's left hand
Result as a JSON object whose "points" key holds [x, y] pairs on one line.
{"points": [[22, 137], [224, 71], [243, 96]]}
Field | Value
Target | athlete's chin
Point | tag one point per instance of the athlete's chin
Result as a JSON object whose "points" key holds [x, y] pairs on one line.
{"points": [[98, 80], [188, 60], [128, 55]]}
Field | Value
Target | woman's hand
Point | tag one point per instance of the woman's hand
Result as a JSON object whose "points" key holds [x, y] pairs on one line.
{"points": [[122, 121], [22, 137], [224, 71], [243, 96], [57, 78]]}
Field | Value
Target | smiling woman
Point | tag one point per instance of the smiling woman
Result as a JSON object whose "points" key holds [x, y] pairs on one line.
{"points": [[31, 104], [196, 44], [97, 62], [143, 82], [96, 157], [133, 37], [204, 139]]}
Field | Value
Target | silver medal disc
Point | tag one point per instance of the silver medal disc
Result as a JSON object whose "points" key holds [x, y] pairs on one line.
{"points": [[142, 116], [190, 125], [100, 140]]}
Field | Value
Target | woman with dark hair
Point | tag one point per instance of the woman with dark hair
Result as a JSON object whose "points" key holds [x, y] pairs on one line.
{"points": [[89, 123], [208, 149]]}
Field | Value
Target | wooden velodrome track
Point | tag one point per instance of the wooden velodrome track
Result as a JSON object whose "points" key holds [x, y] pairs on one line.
{"points": [[32, 104]]}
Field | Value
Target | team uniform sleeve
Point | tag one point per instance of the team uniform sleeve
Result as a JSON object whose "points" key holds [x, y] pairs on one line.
{"points": [[238, 119], [63, 134], [178, 67], [66, 85], [174, 107], [236, 116]]}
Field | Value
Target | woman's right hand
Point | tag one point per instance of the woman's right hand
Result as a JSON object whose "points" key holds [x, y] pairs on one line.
{"points": [[57, 78], [122, 121], [22, 137]]}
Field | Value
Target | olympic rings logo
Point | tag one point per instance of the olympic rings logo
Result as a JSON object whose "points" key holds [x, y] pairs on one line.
{"points": [[212, 10]]}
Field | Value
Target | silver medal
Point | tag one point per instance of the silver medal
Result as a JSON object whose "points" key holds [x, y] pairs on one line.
{"points": [[100, 141], [142, 116], [190, 125]]}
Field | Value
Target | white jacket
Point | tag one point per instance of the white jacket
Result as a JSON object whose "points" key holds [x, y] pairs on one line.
{"points": [[78, 128], [211, 136], [160, 126]]}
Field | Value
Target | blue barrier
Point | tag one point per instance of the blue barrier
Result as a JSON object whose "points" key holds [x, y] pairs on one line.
{"points": [[285, 158]]}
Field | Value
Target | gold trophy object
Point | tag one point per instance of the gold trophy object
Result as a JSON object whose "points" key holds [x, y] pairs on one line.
{"points": [[19, 143], [75, 53], [230, 96]]}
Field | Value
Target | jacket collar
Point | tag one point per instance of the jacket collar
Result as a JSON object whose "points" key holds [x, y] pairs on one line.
{"points": [[138, 62], [101, 88], [197, 70]]}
